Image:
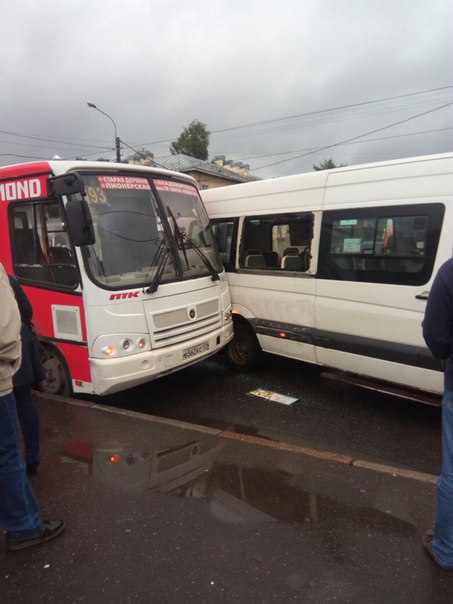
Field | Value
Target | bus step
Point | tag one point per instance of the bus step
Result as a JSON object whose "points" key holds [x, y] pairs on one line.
{"points": [[412, 395]]}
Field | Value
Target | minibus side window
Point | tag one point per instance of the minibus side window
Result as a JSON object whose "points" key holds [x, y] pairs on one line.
{"points": [[42, 252], [225, 233], [279, 242], [380, 245]]}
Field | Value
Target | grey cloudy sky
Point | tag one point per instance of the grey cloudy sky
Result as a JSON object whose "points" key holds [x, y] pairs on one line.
{"points": [[278, 84]]}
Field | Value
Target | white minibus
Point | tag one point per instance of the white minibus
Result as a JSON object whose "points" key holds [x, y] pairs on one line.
{"points": [[334, 268]]}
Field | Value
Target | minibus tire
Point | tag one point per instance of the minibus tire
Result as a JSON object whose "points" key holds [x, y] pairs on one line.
{"points": [[58, 380], [244, 351]]}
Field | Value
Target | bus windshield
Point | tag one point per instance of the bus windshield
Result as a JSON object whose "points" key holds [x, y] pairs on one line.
{"points": [[147, 231]]}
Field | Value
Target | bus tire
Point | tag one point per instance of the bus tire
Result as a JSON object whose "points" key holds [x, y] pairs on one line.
{"points": [[244, 351], [57, 380]]}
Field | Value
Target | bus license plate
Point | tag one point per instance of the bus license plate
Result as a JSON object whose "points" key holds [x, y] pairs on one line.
{"points": [[189, 353]]}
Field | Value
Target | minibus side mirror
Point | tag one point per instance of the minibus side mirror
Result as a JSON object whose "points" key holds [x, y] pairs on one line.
{"points": [[79, 222]]}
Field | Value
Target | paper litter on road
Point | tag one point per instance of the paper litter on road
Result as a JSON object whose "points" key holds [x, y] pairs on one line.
{"points": [[275, 397]]}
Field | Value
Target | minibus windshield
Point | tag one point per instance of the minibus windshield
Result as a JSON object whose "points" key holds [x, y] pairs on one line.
{"points": [[132, 231]]}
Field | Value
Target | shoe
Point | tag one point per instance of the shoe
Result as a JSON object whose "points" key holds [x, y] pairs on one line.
{"points": [[32, 468], [50, 530], [427, 542]]}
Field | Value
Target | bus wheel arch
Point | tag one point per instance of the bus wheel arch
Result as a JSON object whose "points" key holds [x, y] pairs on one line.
{"points": [[244, 350], [58, 380]]}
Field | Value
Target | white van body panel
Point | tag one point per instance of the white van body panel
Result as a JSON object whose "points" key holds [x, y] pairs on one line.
{"points": [[288, 193], [343, 315], [401, 181], [390, 313], [285, 301]]}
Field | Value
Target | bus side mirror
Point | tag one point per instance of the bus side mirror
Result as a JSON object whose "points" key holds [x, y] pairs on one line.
{"points": [[79, 222], [221, 235], [78, 216], [66, 184]]}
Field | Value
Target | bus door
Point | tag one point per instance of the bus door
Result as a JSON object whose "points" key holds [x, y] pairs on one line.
{"points": [[44, 261]]}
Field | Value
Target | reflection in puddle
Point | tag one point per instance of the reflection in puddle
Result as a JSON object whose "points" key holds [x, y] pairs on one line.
{"points": [[233, 493], [130, 468]]}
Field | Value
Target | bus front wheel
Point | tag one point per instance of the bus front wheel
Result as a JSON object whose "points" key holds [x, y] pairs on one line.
{"points": [[244, 351], [57, 376]]}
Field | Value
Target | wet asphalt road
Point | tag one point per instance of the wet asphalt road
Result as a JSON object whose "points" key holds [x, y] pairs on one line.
{"points": [[329, 415], [168, 514]]}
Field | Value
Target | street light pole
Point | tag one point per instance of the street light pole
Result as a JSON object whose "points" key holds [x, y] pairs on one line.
{"points": [[117, 138]]}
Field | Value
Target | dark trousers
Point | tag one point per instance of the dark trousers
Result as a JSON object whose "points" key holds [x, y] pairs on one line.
{"points": [[29, 423], [19, 508], [443, 526]]}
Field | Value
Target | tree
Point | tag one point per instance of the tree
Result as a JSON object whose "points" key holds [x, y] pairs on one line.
{"points": [[327, 164], [193, 141]]}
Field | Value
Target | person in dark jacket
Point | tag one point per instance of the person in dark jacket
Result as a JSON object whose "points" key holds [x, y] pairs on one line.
{"points": [[438, 334], [31, 372]]}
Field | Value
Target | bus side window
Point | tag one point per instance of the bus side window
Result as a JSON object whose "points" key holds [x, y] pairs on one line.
{"points": [[41, 249], [28, 250]]}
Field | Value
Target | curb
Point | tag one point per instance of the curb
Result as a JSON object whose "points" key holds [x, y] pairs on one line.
{"points": [[125, 412], [397, 472]]}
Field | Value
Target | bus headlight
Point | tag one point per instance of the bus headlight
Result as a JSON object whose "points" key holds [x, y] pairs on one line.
{"points": [[125, 344], [109, 351], [120, 345]]}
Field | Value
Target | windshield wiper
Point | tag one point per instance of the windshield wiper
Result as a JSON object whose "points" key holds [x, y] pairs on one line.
{"points": [[160, 259], [182, 238], [214, 274], [179, 235]]}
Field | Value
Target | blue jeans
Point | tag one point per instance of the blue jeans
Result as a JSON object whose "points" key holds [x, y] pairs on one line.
{"points": [[29, 422], [19, 508], [443, 526]]}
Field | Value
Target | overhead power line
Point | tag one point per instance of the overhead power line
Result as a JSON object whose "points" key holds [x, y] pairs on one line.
{"points": [[367, 140], [80, 143], [307, 114], [54, 140], [339, 108], [354, 138]]}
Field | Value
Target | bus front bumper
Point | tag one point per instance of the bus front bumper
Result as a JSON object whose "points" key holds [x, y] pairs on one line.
{"points": [[116, 374]]}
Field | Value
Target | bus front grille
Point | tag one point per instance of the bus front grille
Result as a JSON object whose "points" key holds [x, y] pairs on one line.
{"points": [[185, 323]]}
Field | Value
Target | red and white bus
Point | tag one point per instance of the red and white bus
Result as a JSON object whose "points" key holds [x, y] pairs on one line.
{"points": [[121, 268]]}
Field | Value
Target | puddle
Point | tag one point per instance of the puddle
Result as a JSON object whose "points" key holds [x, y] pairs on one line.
{"points": [[200, 469]]}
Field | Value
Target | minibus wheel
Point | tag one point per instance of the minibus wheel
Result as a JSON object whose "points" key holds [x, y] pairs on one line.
{"points": [[244, 351], [57, 375]]}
